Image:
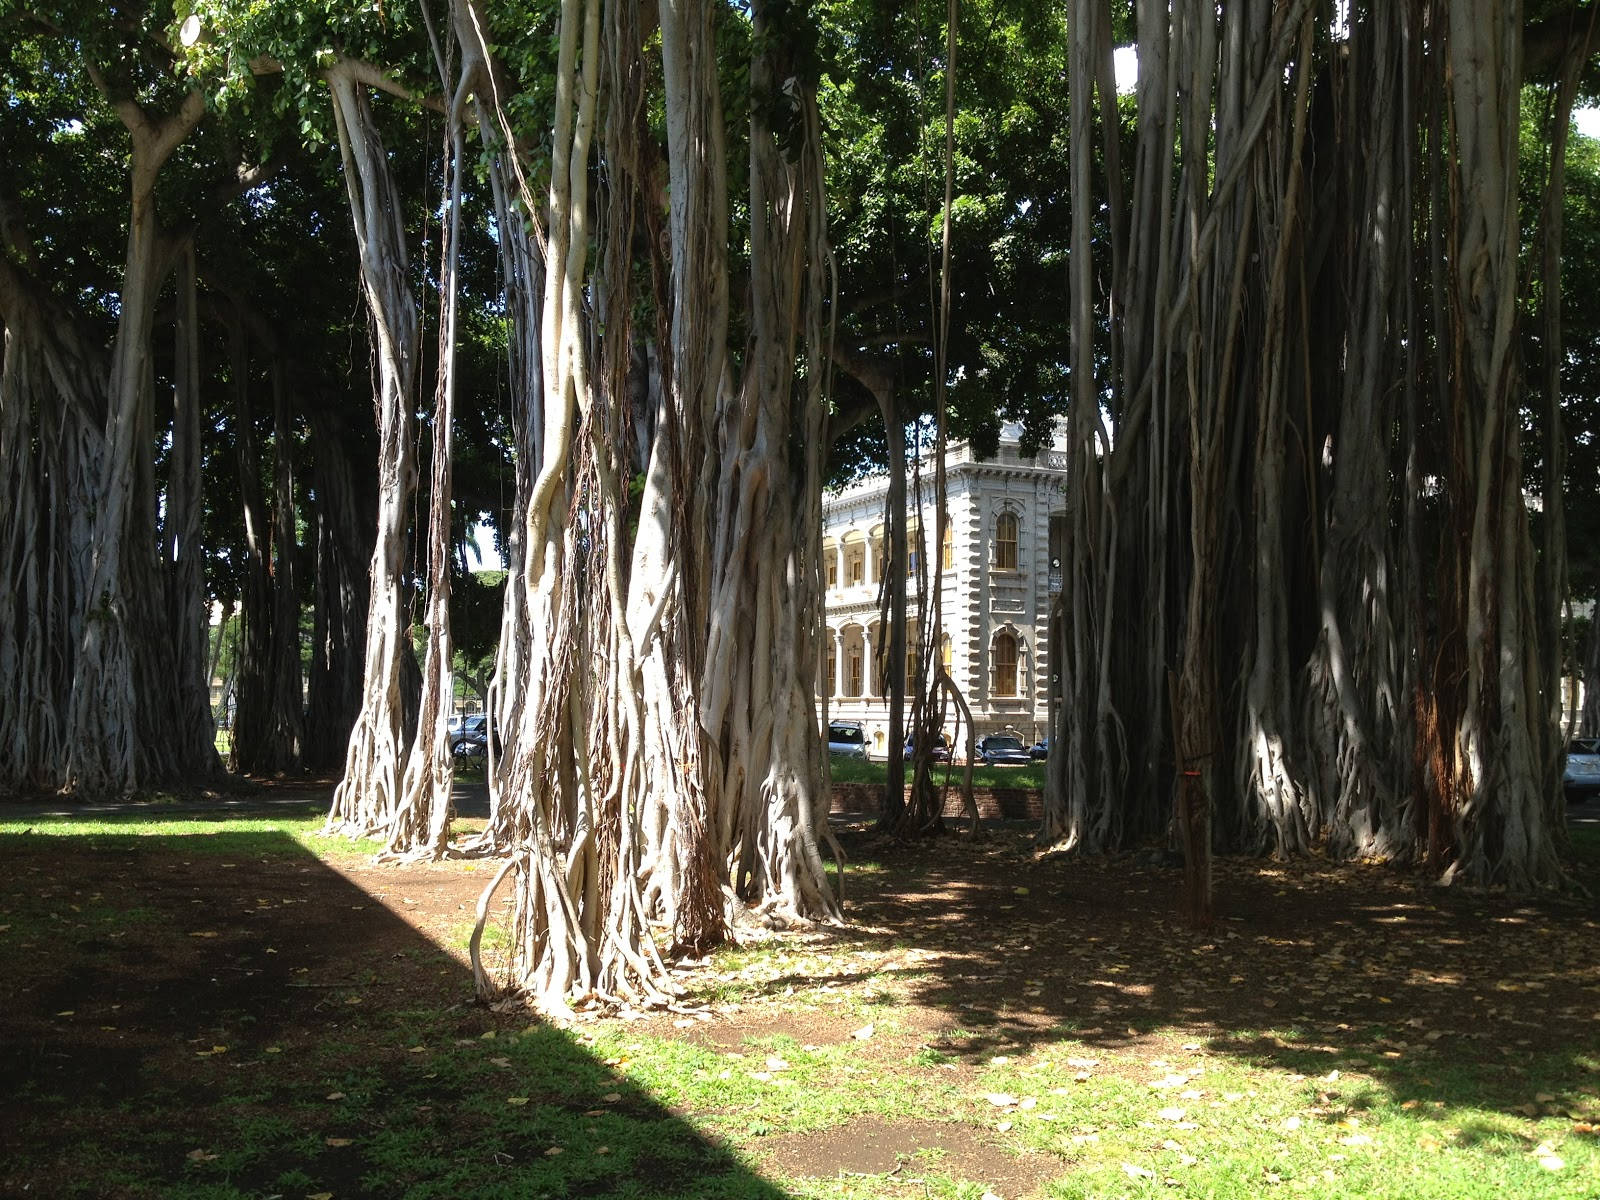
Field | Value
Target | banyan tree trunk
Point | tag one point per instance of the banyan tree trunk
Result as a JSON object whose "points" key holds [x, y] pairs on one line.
{"points": [[368, 796], [183, 558], [1507, 783], [51, 455], [343, 524]]}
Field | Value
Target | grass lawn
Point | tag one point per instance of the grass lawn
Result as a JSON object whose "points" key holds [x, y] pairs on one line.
{"points": [[226, 1008], [853, 770]]}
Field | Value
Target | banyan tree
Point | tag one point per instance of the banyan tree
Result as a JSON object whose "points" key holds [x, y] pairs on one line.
{"points": [[1303, 598], [1314, 578]]}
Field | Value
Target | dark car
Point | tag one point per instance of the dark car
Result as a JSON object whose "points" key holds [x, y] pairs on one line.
{"points": [[1003, 750], [940, 753], [1041, 749], [1580, 777], [471, 740]]}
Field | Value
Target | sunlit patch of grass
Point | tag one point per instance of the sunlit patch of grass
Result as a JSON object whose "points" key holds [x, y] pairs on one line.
{"points": [[920, 1180], [1213, 1126], [207, 834], [771, 1083]]}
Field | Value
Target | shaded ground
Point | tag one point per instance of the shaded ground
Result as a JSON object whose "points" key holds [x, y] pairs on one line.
{"points": [[229, 1014]]}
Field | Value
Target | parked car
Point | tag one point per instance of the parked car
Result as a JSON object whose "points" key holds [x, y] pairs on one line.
{"points": [[1041, 749], [847, 739], [940, 752], [1580, 778], [1003, 749], [471, 740]]}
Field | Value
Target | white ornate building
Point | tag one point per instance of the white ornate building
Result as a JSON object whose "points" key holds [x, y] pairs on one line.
{"points": [[998, 570]]}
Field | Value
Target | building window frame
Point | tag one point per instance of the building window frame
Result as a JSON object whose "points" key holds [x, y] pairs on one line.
{"points": [[1004, 659], [1007, 535]]}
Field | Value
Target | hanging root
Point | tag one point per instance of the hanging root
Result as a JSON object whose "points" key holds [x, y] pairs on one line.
{"points": [[482, 982]]}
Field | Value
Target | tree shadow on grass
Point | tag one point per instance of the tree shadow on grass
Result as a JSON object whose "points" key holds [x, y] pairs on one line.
{"points": [[1444, 999], [226, 1016]]}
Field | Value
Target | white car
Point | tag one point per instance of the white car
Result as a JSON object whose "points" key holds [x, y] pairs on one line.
{"points": [[1581, 777]]}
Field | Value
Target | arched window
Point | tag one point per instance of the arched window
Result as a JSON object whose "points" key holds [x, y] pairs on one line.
{"points": [[1005, 542], [832, 657], [946, 654], [947, 550], [830, 562], [853, 670], [1004, 656]]}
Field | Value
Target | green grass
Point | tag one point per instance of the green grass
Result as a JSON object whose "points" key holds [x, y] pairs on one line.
{"points": [[207, 834], [402, 1097], [1196, 1123], [854, 770], [1586, 847]]}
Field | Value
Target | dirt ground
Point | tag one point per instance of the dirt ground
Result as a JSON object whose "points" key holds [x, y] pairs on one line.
{"points": [[985, 947]]}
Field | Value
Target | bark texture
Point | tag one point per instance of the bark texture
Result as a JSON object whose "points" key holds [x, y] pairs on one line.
{"points": [[368, 796]]}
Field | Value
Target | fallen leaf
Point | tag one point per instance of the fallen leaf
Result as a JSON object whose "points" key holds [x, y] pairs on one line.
{"points": [[1000, 1099], [863, 1033], [201, 1156], [336, 1141], [335, 1095], [1172, 1114], [1134, 1171], [519, 1101], [613, 1097]]}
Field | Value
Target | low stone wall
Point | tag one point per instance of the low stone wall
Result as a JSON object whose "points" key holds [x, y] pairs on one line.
{"points": [[994, 804]]}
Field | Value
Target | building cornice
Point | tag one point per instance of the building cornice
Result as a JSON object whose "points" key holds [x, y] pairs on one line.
{"points": [[1050, 464]]}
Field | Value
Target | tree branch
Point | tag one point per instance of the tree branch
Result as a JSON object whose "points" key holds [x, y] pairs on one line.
{"points": [[359, 71]]}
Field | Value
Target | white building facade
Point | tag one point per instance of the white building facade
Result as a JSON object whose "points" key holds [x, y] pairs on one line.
{"points": [[998, 571]]}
